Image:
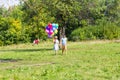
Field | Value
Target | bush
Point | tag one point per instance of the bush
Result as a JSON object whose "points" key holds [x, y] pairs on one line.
{"points": [[1, 43], [106, 31]]}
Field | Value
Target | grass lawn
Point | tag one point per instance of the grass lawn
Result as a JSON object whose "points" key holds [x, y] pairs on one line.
{"points": [[90, 60]]}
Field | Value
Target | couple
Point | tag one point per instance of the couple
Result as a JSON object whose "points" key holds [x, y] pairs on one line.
{"points": [[64, 44]]}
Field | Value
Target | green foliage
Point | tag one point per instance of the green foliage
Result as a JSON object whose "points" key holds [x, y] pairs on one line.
{"points": [[27, 21], [10, 30], [36, 17], [105, 31], [17, 13]]}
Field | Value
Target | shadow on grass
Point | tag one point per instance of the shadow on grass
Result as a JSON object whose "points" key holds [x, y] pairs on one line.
{"points": [[9, 60], [26, 50], [117, 53]]}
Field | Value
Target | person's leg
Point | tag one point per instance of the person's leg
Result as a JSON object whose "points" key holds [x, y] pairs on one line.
{"points": [[63, 49], [55, 52]]}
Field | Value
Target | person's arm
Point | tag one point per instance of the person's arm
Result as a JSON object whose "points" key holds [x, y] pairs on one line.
{"points": [[53, 40]]}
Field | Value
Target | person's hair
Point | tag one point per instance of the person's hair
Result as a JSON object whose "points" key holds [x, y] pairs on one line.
{"points": [[64, 36], [56, 37]]}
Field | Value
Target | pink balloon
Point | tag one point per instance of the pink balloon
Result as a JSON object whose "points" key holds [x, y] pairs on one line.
{"points": [[47, 30], [50, 33], [50, 25]]}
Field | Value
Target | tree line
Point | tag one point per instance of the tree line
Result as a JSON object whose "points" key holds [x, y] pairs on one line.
{"points": [[78, 19]]}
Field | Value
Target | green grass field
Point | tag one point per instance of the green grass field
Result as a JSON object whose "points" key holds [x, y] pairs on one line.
{"points": [[90, 60]]}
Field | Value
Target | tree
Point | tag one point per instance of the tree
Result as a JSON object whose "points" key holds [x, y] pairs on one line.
{"points": [[65, 13], [36, 16]]}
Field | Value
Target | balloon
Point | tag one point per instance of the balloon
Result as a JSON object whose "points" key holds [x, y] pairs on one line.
{"points": [[54, 28], [47, 29], [56, 31], [49, 36], [50, 32], [53, 25], [50, 25], [51, 29], [56, 25]]}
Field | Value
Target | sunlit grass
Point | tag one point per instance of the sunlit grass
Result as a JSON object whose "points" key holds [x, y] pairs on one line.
{"points": [[90, 60]]}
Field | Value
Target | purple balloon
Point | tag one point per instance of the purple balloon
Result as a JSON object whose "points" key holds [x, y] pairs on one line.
{"points": [[50, 36], [47, 29], [50, 32]]}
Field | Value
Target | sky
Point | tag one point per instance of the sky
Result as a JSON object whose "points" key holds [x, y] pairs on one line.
{"points": [[7, 3]]}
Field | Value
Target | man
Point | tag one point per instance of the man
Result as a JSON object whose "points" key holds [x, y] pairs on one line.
{"points": [[64, 44]]}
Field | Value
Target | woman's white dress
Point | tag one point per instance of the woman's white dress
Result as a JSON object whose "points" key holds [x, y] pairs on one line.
{"points": [[56, 45]]}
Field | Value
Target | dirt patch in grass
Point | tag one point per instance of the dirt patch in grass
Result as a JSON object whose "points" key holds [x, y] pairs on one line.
{"points": [[28, 65]]}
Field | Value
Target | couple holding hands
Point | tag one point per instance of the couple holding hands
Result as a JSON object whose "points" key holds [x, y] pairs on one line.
{"points": [[63, 44]]}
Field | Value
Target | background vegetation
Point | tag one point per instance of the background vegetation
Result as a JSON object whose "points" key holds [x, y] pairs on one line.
{"points": [[82, 19]]}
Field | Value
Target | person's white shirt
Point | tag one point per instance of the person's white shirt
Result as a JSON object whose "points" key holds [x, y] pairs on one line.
{"points": [[64, 41]]}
